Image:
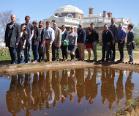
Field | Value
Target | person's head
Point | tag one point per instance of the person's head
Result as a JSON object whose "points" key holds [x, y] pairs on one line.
{"points": [[79, 26], [13, 18], [41, 24], [120, 26], [71, 29], [112, 21], [47, 24], [34, 23], [106, 27], [92, 25], [54, 25], [130, 27], [63, 27], [27, 19], [23, 27]]}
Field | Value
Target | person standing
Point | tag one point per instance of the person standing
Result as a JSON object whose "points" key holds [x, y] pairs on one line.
{"points": [[130, 43], [95, 39], [72, 38], [41, 48], [48, 36], [11, 36], [81, 42], [114, 31], [64, 43], [121, 41], [57, 43], [107, 39], [29, 29], [88, 43], [21, 43], [35, 42]]}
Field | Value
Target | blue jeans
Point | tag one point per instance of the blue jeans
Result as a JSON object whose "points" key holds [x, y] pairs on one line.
{"points": [[35, 51], [27, 52], [13, 55]]}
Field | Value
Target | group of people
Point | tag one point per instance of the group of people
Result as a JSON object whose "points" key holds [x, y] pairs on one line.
{"points": [[47, 41]]}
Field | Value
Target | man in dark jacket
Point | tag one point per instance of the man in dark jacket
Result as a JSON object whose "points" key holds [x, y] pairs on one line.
{"points": [[114, 31], [11, 37], [81, 42], [95, 40], [29, 29], [107, 38]]}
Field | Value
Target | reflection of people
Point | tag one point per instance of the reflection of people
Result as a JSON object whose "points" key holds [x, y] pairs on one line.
{"points": [[104, 85], [72, 84], [56, 86], [107, 87], [80, 84], [111, 87], [129, 86], [91, 86], [119, 86], [12, 98], [64, 85]]}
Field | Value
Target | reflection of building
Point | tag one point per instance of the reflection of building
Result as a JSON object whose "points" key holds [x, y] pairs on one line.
{"points": [[72, 16]]}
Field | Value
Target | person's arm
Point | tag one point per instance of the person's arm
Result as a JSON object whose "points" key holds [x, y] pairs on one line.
{"points": [[60, 37], [97, 36]]}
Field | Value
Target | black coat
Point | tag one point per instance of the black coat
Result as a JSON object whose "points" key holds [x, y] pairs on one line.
{"points": [[12, 34], [107, 38]]}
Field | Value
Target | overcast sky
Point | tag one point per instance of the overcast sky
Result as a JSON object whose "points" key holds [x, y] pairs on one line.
{"points": [[42, 9]]}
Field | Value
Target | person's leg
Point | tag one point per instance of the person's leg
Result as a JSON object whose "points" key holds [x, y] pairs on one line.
{"points": [[121, 50], [89, 54], [95, 51], [13, 55], [79, 51], [53, 52], [49, 52], [113, 52], [82, 51], [103, 53]]}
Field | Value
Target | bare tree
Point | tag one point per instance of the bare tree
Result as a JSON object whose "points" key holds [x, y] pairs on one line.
{"points": [[4, 19]]}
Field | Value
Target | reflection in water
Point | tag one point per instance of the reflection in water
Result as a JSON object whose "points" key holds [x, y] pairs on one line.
{"points": [[34, 91]]}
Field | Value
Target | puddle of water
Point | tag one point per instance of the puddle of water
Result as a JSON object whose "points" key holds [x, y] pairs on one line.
{"points": [[69, 92]]}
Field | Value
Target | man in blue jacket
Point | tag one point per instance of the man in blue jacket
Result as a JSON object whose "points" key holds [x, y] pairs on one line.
{"points": [[121, 41]]}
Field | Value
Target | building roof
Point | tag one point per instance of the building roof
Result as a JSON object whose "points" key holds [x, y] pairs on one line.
{"points": [[69, 9]]}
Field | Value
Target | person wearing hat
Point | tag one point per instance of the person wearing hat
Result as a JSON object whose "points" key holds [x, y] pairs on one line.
{"points": [[81, 41], [121, 41]]}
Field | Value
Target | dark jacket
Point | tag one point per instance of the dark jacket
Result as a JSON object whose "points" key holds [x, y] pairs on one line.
{"points": [[81, 35], [12, 34], [114, 31], [92, 36], [130, 37], [107, 38], [35, 39]]}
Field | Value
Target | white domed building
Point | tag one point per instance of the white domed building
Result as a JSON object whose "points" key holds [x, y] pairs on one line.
{"points": [[67, 15], [70, 15]]}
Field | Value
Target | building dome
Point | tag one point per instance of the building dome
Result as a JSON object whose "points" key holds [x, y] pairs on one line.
{"points": [[69, 9]]}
